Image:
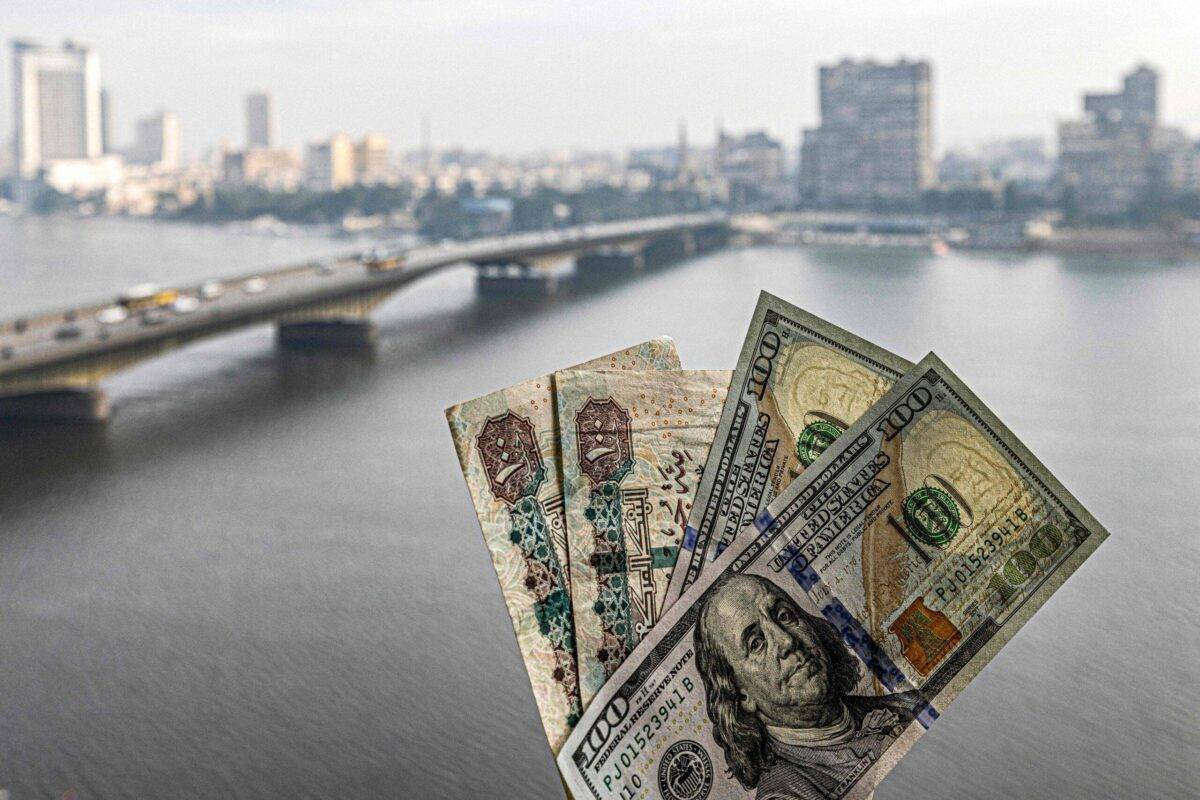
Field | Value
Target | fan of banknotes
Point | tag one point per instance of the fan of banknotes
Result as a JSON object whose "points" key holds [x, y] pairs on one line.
{"points": [[761, 583]]}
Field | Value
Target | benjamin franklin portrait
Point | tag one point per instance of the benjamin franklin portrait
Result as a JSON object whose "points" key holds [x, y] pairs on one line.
{"points": [[778, 684]]}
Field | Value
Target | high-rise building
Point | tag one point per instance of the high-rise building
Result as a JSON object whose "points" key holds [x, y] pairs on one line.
{"points": [[107, 144], [276, 168], [1107, 160], [753, 159], [874, 145], [371, 160], [156, 141], [1135, 106], [752, 168], [260, 120], [56, 104], [329, 165]]}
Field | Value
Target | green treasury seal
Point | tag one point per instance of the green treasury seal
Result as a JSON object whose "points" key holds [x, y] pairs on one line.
{"points": [[813, 440], [932, 516]]}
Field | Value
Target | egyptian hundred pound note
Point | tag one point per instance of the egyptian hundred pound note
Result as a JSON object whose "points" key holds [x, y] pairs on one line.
{"points": [[507, 445], [816, 650], [800, 381], [633, 446]]}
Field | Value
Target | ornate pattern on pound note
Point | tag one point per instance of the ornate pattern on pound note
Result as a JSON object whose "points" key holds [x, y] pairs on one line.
{"points": [[515, 472], [603, 433]]}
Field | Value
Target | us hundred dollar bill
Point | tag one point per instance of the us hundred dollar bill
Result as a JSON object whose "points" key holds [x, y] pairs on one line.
{"points": [[817, 649], [800, 381], [633, 445], [507, 444]]}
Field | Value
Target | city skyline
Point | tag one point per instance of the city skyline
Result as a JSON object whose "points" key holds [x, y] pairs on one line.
{"points": [[515, 79]]}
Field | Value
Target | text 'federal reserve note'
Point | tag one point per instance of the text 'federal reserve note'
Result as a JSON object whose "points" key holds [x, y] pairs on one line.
{"points": [[800, 381], [816, 650]]}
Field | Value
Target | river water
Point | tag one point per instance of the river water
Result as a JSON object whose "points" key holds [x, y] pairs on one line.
{"points": [[264, 578]]}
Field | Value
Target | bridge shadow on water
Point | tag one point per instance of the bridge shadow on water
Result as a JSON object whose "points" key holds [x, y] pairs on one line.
{"points": [[262, 385]]}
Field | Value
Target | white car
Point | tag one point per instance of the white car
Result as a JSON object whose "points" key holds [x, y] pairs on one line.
{"points": [[211, 290], [255, 286], [185, 304], [142, 291], [111, 315]]}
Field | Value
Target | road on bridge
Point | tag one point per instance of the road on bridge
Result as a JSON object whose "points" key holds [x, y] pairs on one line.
{"points": [[68, 349]]}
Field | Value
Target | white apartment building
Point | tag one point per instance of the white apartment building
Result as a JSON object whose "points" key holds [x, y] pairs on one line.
{"points": [[56, 105]]}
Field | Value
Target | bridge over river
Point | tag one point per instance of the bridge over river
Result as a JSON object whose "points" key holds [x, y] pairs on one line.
{"points": [[51, 364]]}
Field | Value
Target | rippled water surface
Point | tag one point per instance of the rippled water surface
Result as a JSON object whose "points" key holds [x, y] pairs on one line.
{"points": [[264, 578]]}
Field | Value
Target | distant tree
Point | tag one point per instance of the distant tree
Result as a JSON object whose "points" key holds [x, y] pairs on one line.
{"points": [[1070, 204], [1013, 202], [1152, 205], [47, 200], [1187, 205], [959, 200]]}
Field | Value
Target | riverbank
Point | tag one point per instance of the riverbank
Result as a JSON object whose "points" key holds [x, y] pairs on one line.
{"points": [[1121, 242]]}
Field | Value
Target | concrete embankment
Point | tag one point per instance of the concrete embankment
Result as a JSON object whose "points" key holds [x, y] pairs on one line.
{"points": [[1128, 242]]}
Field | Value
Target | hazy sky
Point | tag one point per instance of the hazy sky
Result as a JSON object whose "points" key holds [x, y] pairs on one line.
{"points": [[519, 76]]}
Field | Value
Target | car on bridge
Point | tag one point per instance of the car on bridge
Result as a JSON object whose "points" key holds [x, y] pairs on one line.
{"points": [[185, 304], [111, 315], [211, 290], [68, 332], [381, 260], [146, 296]]}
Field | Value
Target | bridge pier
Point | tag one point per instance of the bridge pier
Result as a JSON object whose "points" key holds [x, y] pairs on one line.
{"points": [[507, 279], [714, 238], [689, 243], [609, 261], [665, 250], [327, 333], [83, 405]]}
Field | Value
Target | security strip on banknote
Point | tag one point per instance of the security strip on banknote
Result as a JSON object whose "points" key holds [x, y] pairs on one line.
{"points": [[814, 652], [633, 445], [507, 444], [800, 381]]}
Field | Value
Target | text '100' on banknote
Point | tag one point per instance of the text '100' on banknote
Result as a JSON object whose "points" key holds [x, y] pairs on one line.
{"points": [[508, 448], [816, 650], [800, 381]]}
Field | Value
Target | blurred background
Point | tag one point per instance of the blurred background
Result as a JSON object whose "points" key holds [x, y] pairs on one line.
{"points": [[250, 569]]}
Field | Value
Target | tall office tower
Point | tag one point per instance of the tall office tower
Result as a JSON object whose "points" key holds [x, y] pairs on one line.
{"points": [[874, 146], [56, 104], [1107, 160], [157, 141], [1135, 107], [260, 120], [329, 165]]}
